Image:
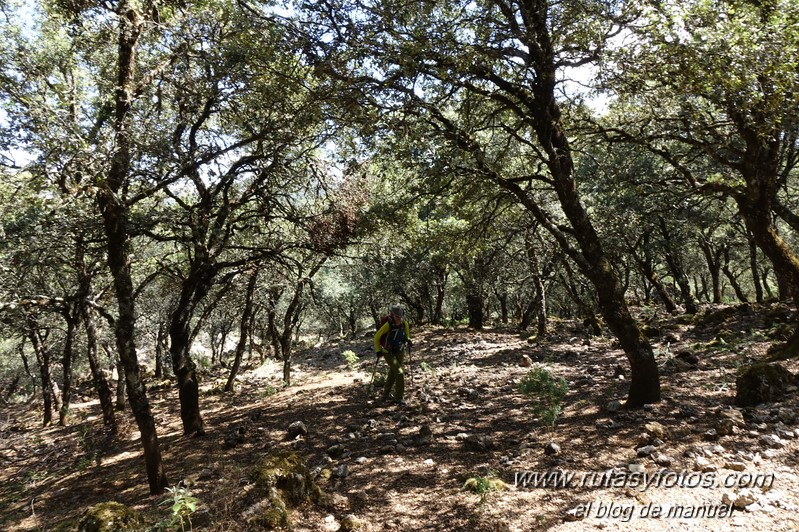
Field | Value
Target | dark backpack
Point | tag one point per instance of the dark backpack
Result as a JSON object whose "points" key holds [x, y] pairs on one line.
{"points": [[394, 340]]}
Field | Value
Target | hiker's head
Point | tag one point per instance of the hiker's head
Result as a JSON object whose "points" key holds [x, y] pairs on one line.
{"points": [[396, 312]]}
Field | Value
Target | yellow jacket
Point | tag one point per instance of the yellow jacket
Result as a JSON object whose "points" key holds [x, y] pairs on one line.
{"points": [[384, 330]]}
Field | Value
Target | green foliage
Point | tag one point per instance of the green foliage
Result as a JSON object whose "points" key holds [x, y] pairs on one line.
{"points": [[483, 484], [380, 379], [546, 394], [268, 390], [351, 358], [182, 506], [107, 516]]}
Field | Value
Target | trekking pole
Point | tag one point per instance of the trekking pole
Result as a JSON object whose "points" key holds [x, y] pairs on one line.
{"points": [[372, 380], [410, 366]]}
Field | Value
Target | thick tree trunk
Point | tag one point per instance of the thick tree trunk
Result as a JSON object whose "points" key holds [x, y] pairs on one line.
{"points": [[115, 217], [122, 393], [759, 221], [474, 307], [185, 371], [193, 290]]}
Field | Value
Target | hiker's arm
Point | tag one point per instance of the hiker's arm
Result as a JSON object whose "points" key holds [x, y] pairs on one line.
{"points": [[407, 333], [380, 332]]}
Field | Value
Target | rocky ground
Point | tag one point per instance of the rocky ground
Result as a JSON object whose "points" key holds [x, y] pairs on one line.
{"points": [[693, 460]]}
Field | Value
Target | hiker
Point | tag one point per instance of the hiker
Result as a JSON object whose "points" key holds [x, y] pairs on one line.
{"points": [[390, 341]]}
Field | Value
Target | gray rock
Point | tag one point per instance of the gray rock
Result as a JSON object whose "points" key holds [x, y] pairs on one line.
{"points": [[636, 468], [335, 451], [351, 522], [787, 415], [703, 464], [613, 406], [656, 430], [552, 448], [297, 428], [478, 443], [739, 500], [734, 415], [762, 383], [645, 451], [772, 441], [341, 471], [662, 459], [735, 466]]}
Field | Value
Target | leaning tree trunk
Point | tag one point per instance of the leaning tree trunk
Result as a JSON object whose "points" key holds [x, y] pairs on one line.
{"points": [[98, 379], [115, 222], [591, 258], [184, 367], [759, 220], [244, 329]]}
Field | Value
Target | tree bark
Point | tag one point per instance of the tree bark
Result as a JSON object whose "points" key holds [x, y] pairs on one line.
{"points": [[713, 259], [193, 289], [474, 307], [43, 361], [244, 328], [98, 379], [70, 315], [725, 268], [115, 221], [678, 271], [754, 268]]}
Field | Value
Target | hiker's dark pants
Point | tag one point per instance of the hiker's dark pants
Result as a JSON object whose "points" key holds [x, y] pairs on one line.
{"points": [[395, 377]]}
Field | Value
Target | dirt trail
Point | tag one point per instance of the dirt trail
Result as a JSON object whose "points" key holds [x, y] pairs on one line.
{"points": [[404, 468]]}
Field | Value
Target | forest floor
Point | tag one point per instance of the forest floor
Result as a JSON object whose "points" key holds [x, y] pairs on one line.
{"points": [[404, 468]]}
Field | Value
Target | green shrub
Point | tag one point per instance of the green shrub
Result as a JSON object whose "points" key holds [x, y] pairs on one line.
{"points": [[483, 484], [350, 358], [546, 393], [182, 505], [268, 390]]}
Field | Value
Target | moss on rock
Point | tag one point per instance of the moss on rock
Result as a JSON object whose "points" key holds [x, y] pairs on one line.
{"points": [[762, 383], [283, 481], [108, 516]]}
